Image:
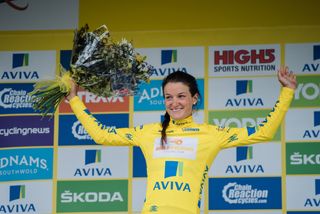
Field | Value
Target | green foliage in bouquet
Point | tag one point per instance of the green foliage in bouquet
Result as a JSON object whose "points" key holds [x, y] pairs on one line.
{"points": [[99, 65]]}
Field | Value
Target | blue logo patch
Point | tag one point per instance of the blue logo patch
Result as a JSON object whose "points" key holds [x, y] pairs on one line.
{"points": [[173, 168], [20, 59], [92, 156], [168, 56], [244, 153], [316, 52], [17, 192]]}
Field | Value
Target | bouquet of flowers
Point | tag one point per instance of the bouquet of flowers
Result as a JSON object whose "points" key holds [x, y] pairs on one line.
{"points": [[99, 65]]}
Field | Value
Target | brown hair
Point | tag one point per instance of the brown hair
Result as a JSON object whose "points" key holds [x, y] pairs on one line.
{"points": [[186, 79]]}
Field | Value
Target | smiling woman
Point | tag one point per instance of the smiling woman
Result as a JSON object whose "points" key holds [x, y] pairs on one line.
{"points": [[178, 151]]}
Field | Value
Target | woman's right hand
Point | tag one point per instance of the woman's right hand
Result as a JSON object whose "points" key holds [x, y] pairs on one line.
{"points": [[73, 90]]}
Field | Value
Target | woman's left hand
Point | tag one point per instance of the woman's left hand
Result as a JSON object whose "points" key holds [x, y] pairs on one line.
{"points": [[287, 78]]}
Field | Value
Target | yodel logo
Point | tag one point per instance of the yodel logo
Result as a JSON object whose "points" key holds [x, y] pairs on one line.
{"points": [[316, 52], [92, 156], [168, 56], [17, 192], [234, 193], [20, 59]]}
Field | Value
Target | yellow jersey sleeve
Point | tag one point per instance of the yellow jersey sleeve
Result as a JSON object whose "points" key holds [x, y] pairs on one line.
{"points": [[100, 133], [265, 131]]}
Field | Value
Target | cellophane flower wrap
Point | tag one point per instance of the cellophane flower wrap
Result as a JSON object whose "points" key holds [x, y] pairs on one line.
{"points": [[99, 65]]}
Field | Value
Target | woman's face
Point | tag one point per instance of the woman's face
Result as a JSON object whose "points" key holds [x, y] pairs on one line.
{"points": [[178, 100]]}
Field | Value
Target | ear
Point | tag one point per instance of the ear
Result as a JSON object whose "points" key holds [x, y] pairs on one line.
{"points": [[195, 99]]}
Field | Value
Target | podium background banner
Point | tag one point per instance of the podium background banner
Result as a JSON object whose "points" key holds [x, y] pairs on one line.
{"points": [[51, 165]]}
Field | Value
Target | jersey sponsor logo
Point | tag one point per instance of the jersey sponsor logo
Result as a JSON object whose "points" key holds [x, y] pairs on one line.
{"points": [[303, 158], [176, 147], [244, 193], [26, 164], [172, 169]]}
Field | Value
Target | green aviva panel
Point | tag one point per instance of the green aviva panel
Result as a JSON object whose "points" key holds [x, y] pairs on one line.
{"points": [[303, 158], [92, 196], [241, 118]]}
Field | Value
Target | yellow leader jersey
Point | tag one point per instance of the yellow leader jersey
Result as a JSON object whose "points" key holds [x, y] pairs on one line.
{"points": [[176, 174]]}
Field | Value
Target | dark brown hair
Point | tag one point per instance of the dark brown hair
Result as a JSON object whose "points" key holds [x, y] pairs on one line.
{"points": [[186, 79]]}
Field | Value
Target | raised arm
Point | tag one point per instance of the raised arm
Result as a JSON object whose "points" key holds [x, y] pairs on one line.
{"points": [[266, 130]]}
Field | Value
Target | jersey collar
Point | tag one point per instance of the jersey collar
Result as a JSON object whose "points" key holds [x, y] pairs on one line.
{"points": [[182, 122]]}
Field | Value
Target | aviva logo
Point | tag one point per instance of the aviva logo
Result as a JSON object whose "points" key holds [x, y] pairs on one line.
{"points": [[316, 52], [168, 56], [244, 153], [244, 86], [316, 121], [17, 192], [20, 59], [173, 168], [92, 156]]}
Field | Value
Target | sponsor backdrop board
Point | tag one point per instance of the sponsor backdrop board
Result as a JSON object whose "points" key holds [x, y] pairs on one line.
{"points": [[54, 155]]}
